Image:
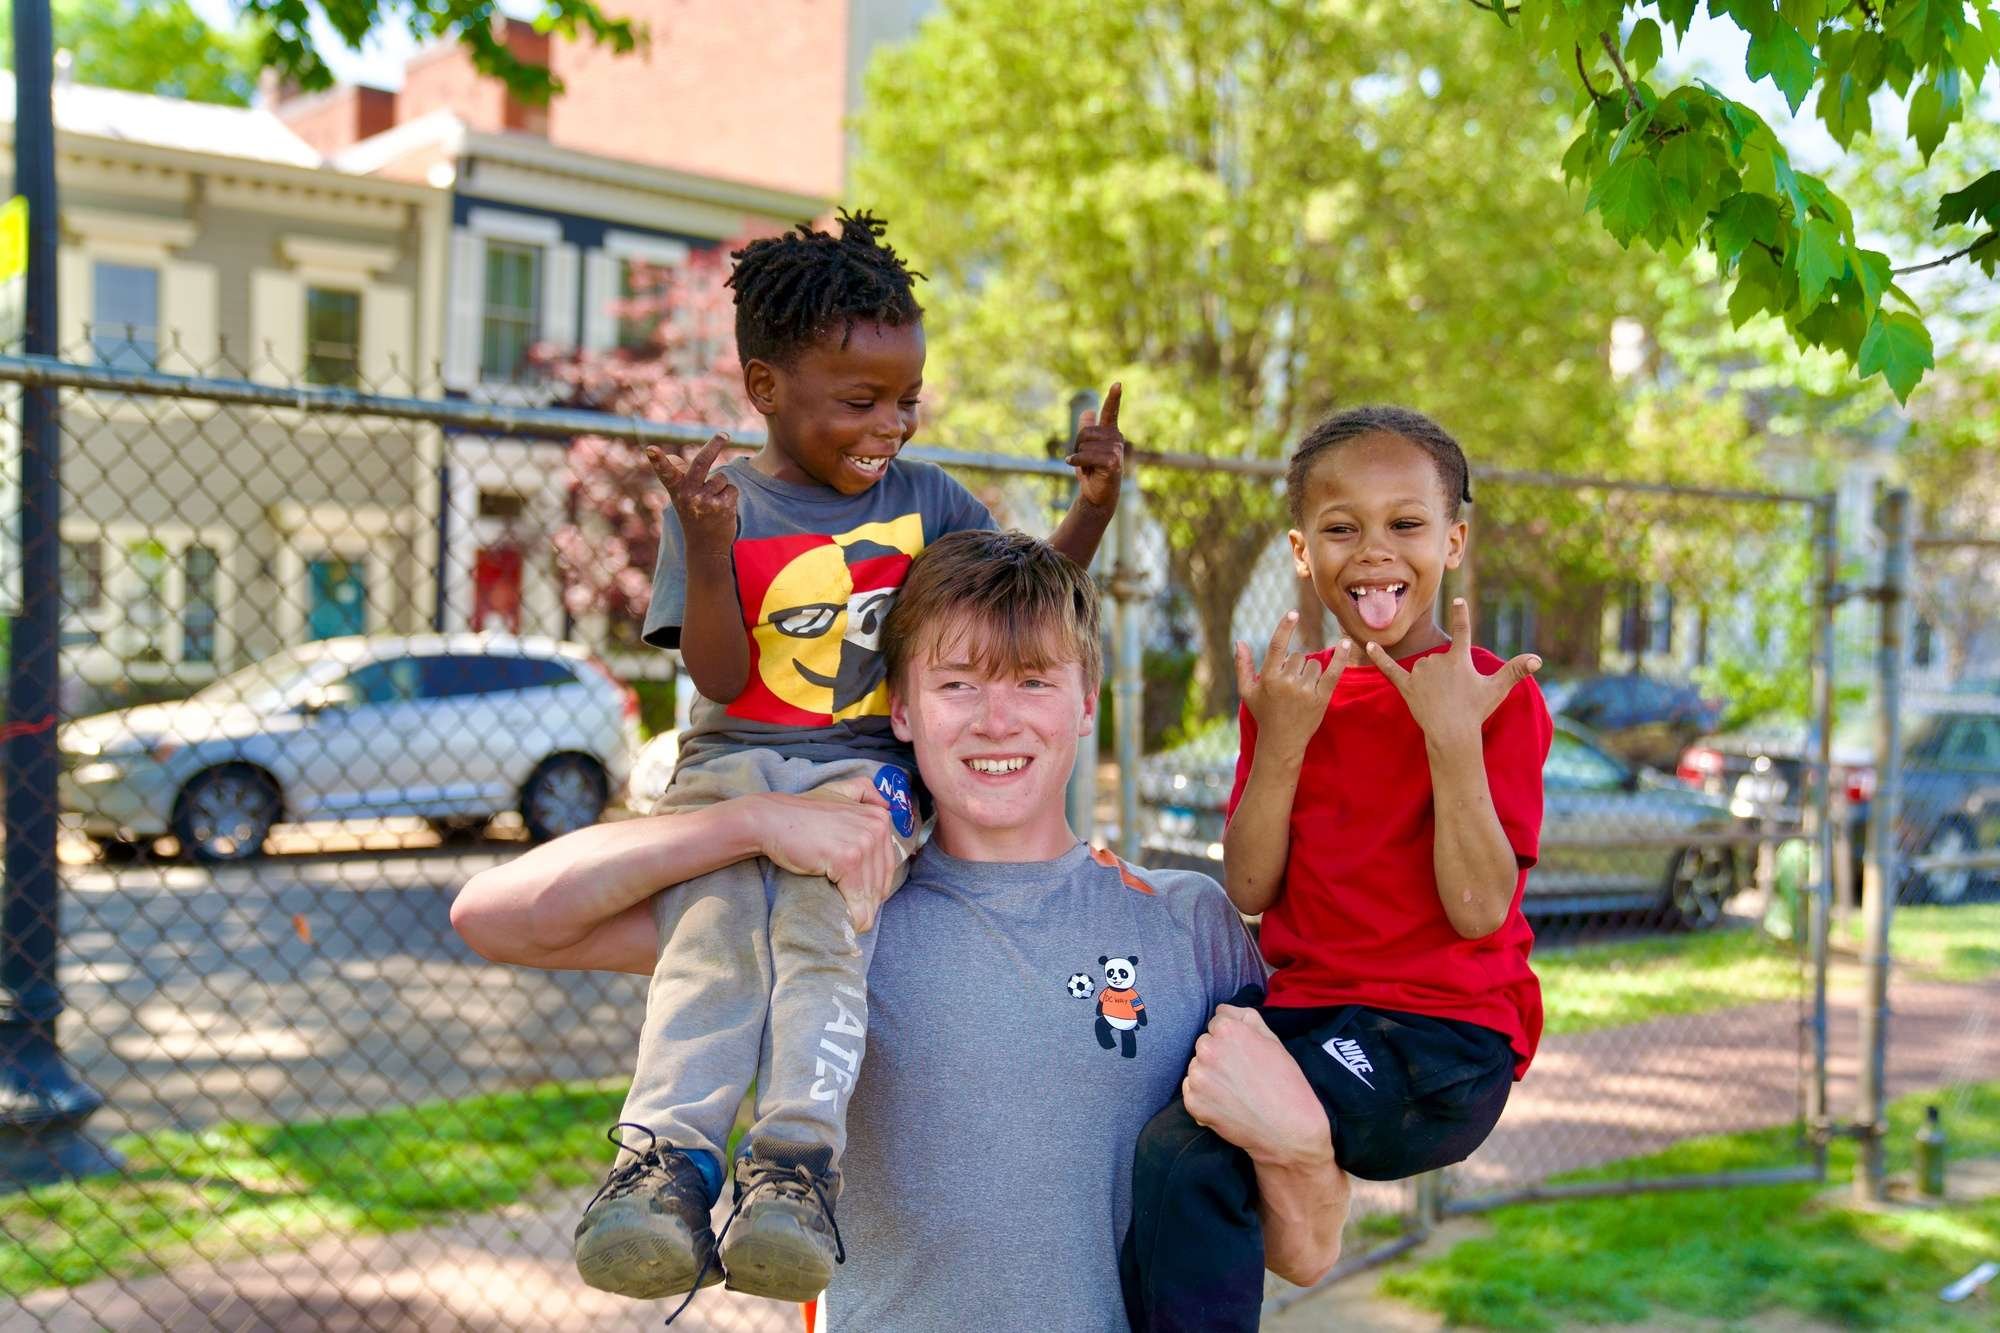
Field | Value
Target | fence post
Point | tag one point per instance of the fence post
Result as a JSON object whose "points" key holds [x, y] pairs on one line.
{"points": [[1083, 778], [1819, 908], [1879, 883], [1128, 585], [42, 1103]]}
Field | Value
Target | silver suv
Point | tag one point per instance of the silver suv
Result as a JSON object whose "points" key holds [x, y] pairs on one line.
{"points": [[450, 728]]}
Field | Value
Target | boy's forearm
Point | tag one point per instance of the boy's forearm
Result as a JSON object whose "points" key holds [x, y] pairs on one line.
{"points": [[1082, 530], [581, 901], [1474, 863], [713, 647], [1303, 1200], [1257, 843]]}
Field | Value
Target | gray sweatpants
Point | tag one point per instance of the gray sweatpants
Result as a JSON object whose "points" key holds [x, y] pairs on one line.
{"points": [[760, 972]]}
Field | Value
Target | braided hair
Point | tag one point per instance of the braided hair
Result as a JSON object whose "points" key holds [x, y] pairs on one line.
{"points": [[793, 289], [1405, 424]]}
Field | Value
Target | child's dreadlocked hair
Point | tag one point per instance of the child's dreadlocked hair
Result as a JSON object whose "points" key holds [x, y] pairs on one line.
{"points": [[794, 288], [1410, 426]]}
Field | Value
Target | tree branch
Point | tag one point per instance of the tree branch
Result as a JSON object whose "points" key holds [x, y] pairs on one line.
{"points": [[1954, 256], [1588, 87], [1632, 97]]}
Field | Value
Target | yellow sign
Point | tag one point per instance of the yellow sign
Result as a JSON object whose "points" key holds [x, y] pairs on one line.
{"points": [[13, 238]]}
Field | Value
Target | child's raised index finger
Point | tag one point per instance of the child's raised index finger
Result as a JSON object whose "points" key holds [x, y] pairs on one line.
{"points": [[1107, 416], [1281, 641], [698, 466]]}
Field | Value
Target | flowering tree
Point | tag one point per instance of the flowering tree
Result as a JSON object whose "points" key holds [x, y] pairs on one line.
{"points": [[675, 360]]}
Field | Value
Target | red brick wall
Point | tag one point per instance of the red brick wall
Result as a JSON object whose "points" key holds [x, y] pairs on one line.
{"points": [[332, 120], [745, 91]]}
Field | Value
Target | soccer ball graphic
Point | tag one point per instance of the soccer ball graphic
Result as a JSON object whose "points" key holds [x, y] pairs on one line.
{"points": [[1081, 986]]}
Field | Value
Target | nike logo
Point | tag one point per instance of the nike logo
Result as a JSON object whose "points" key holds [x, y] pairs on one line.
{"points": [[1348, 1053]]}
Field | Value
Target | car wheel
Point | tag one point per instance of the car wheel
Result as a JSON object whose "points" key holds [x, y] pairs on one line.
{"points": [[566, 792], [1952, 838], [457, 828], [225, 813], [1701, 881]]}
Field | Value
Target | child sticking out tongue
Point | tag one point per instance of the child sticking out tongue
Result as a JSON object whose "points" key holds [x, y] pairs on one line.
{"points": [[1378, 606]]}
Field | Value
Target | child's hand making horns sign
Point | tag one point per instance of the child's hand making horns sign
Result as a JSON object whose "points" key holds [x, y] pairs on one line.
{"points": [[1447, 695]]}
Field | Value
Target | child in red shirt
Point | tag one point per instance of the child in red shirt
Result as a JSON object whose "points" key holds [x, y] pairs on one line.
{"points": [[1383, 822]]}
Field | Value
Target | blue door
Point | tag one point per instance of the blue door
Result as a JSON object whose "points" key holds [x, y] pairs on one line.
{"points": [[337, 598]]}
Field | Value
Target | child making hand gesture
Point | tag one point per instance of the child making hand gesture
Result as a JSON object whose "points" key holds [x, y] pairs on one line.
{"points": [[1387, 807]]}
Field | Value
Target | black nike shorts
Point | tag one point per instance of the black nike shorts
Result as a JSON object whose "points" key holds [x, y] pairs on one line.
{"points": [[1405, 1093]]}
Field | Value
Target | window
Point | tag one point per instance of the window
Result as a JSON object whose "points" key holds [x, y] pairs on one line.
{"points": [[1701, 639], [333, 337], [511, 317], [392, 681], [1974, 744], [1575, 766], [125, 316], [145, 600], [198, 571], [1660, 621], [642, 292], [1923, 643], [1631, 620], [502, 504], [82, 575]]}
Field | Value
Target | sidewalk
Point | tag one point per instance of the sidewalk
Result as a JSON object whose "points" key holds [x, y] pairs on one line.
{"points": [[1592, 1098]]}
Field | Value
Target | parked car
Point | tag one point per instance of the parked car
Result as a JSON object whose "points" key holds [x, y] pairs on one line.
{"points": [[1640, 719], [1610, 832], [450, 728], [1950, 803]]}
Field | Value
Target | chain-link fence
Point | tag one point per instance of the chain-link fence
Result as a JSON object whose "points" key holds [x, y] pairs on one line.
{"points": [[324, 656]]}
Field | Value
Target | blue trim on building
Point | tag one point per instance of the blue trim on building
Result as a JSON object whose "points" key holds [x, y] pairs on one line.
{"points": [[586, 233]]}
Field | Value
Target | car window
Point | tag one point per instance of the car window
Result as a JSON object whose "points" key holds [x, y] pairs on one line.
{"points": [[1974, 743], [1575, 766], [392, 680], [455, 675]]}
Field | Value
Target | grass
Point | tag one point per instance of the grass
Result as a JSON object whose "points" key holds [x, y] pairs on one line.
{"points": [[238, 1188], [1630, 981], [1730, 1255], [1953, 943]]}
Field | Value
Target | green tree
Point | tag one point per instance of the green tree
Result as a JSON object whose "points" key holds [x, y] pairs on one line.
{"points": [[1686, 167], [288, 45], [150, 46], [1251, 211]]}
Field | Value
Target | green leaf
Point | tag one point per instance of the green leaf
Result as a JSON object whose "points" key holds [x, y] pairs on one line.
{"points": [[1678, 14], [1834, 324], [1898, 346], [1874, 275], [1756, 288], [1628, 196], [1756, 17], [1633, 128], [1784, 56], [1580, 161], [1843, 109], [1787, 183], [1825, 201], [1981, 199], [1690, 165], [1743, 219], [1642, 48], [1928, 119], [1822, 259]]}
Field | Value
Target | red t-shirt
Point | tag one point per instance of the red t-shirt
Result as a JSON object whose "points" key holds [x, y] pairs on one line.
{"points": [[1359, 921]]}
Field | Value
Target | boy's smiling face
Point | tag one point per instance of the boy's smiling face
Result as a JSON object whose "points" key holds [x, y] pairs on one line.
{"points": [[838, 414], [1375, 537]]}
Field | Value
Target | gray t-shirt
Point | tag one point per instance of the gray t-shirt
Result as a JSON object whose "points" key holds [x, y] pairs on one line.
{"points": [[816, 574], [988, 1175]]}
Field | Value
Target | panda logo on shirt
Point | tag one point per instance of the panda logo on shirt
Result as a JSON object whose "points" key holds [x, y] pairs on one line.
{"points": [[1120, 1011]]}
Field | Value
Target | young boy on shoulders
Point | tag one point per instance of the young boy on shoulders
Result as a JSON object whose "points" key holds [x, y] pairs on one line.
{"points": [[775, 576], [1387, 808]]}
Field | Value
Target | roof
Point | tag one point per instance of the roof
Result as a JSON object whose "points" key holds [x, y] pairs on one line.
{"points": [[167, 122]]}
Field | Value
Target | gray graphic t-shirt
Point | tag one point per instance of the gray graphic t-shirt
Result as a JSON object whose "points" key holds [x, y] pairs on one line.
{"points": [[816, 573], [1024, 1022]]}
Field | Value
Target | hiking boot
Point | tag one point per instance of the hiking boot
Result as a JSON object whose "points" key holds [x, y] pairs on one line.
{"points": [[781, 1242], [646, 1234]]}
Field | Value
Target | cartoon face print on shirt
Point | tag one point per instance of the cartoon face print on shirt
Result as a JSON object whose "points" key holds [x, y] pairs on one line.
{"points": [[1120, 1011], [814, 606]]}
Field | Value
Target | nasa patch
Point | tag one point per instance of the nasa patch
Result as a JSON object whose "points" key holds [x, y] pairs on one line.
{"points": [[894, 784]]}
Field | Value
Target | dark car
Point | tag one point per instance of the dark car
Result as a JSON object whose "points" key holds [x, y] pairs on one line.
{"points": [[1950, 788], [1641, 719], [1611, 834]]}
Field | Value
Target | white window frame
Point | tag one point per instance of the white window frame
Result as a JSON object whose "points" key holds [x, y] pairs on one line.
{"points": [[556, 318], [603, 269], [106, 657]]}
